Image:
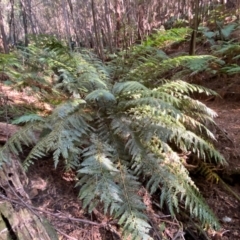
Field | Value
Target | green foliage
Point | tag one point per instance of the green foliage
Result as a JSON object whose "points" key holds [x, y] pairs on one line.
{"points": [[116, 134], [174, 68], [230, 53], [220, 33], [150, 66], [140, 55], [231, 69], [8, 65], [47, 62], [165, 38]]}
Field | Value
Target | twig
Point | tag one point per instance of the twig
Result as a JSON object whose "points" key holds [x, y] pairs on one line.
{"points": [[155, 230], [30, 207], [65, 235], [179, 234]]}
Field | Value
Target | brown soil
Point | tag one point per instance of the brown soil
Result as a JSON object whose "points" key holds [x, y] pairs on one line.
{"points": [[221, 200], [52, 190]]}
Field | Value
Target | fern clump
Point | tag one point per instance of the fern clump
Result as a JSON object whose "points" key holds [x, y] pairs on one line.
{"points": [[164, 38], [114, 135], [175, 68], [120, 67]]}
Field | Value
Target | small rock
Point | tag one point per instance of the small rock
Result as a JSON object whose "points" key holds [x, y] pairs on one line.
{"points": [[226, 219]]}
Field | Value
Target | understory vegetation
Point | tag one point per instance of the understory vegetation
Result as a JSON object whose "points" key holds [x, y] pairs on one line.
{"points": [[123, 125]]}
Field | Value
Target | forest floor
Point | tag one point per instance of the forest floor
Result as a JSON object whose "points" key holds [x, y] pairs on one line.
{"points": [[53, 192]]}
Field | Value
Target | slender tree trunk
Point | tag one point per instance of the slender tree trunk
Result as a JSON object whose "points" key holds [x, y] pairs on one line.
{"points": [[118, 23], [4, 37], [55, 12], [66, 22], [195, 29], [140, 28], [73, 21], [12, 32], [30, 14], [107, 20], [96, 32], [24, 19]]}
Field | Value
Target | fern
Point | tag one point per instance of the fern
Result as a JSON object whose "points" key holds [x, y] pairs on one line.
{"points": [[231, 69], [222, 32], [152, 73], [166, 38], [230, 51], [115, 135], [115, 187]]}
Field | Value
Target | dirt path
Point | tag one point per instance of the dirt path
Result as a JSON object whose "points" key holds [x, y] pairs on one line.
{"points": [[228, 134], [223, 203]]}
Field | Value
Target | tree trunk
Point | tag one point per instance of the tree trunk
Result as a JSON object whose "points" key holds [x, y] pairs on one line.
{"points": [[107, 20], [192, 48], [4, 38], [24, 19], [118, 23], [30, 16], [97, 34], [12, 32], [66, 22]]}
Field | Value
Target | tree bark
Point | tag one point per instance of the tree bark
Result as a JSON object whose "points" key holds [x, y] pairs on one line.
{"points": [[12, 32], [4, 37], [192, 48], [66, 22], [118, 23], [24, 20], [96, 32]]}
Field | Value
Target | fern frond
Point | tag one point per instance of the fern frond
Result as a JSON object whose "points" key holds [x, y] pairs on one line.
{"points": [[184, 88], [28, 118], [179, 67], [127, 87], [232, 69], [26, 136], [165, 169], [230, 50], [66, 128], [101, 95], [115, 187], [207, 170]]}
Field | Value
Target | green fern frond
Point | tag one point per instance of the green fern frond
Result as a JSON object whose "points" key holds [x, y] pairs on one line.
{"points": [[164, 169], [230, 50], [28, 118], [179, 86], [127, 87], [115, 187], [174, 68], [101, 95], [195, 64], [166, 38], [26, 136], [66, 128], [232, 69]]}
